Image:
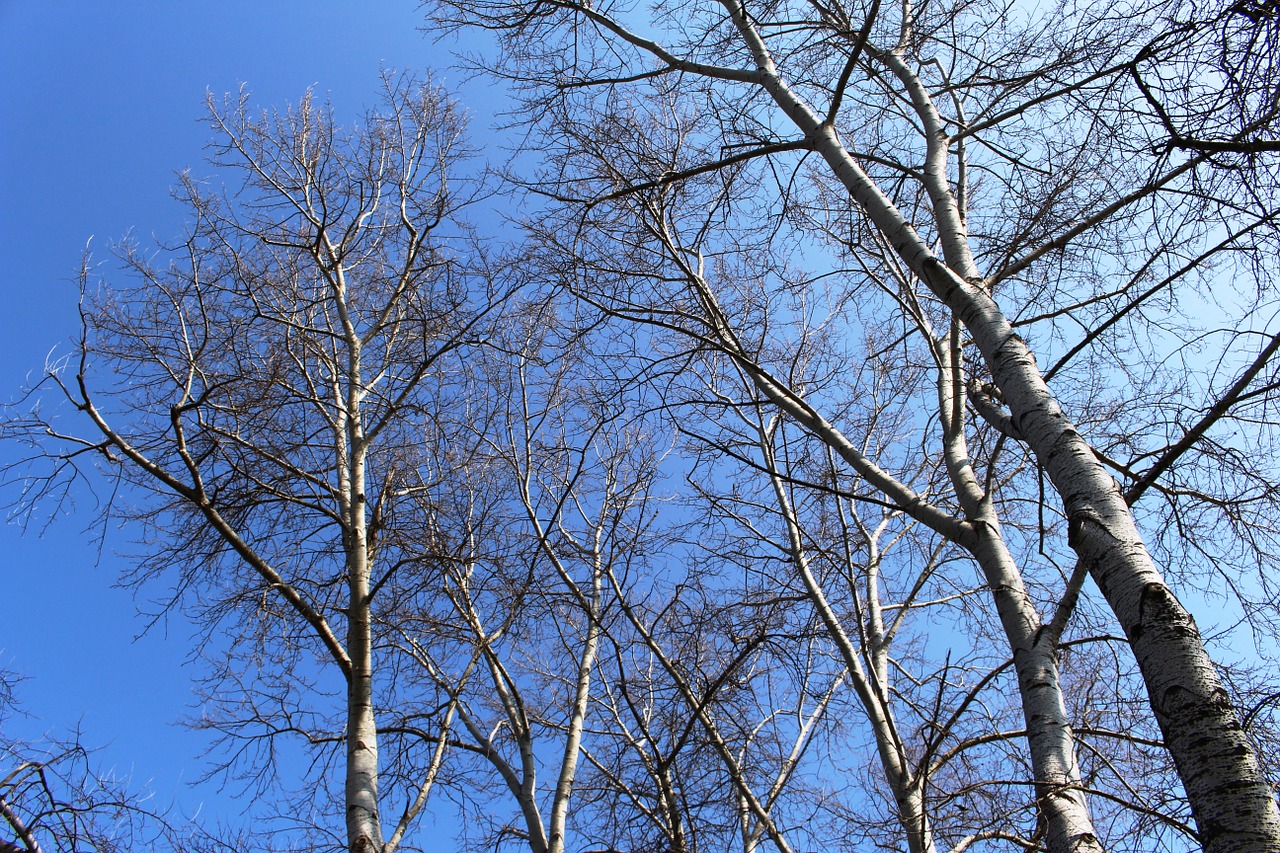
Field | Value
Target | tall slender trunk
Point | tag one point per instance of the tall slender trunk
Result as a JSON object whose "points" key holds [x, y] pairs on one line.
{"points": [[1059, 794], [364, 826], [364, 829], [903, 782], [1059, 791], [1233, 805], [577, 718]]}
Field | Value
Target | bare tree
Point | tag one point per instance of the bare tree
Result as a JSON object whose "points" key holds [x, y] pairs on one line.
{"points": [[1006, 174], [278, 387], [54, 798], [838, 239]]}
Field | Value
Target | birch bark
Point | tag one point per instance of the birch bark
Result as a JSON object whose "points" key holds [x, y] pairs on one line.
{"points": [[1233, 804], [276, 358], [364, 827], [1034, 650], [872, 687]]}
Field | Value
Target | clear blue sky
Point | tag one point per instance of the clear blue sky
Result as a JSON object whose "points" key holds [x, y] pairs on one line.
{"points": [[99, 106]]}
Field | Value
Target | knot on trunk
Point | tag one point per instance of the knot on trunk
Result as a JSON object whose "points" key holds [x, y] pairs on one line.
{"points": [[363, 844], [1159, 609], [1077, 536]]}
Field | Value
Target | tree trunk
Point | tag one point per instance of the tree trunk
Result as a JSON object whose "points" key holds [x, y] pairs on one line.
{"points": [[905, 785], [1059, 792], [364, 829], [1233, 805], [364, 826], [1230, 797]]}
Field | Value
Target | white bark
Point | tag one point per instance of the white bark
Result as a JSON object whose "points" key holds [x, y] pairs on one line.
{"points": [[746, 794], [1059, 791], [1033, 650], [872, 691], [1234, 807], [1230, 798], [364, 827], [280, 385], [19, 827], [573, 734], [428, 782]]}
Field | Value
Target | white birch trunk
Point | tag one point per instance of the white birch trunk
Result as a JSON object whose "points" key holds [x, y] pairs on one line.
{"points": [[1059, 791], [1233, 805], [1231, 800], [905, 785], [364, 826], [577, 722]]}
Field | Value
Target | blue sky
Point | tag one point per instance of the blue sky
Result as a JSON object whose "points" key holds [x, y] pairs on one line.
{"points": [[99, 107]]}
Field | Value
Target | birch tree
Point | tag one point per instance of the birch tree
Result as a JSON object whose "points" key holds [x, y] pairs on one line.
{"points": [[883, 587], [267, 387], [1011, 171]]}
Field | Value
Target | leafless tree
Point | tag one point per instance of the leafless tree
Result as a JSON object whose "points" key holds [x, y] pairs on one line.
{"points": [[819, 248], [54, 798], [1015, 184], [280, 390]]}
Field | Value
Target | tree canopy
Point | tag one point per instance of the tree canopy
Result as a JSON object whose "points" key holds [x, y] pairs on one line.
{"points": [[825, 459]]}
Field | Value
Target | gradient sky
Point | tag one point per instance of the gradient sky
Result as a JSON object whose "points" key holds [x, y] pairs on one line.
{"points": [[99, 107]]}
